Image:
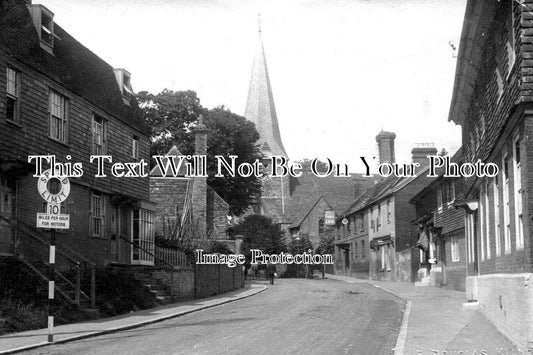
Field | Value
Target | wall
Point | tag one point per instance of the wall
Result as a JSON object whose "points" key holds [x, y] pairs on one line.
{"points": [[507, 301], [214, 279]]}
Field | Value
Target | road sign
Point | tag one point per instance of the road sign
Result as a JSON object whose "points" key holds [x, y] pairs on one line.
{"points": [[53, 208], [58, 221], [53, 189]]}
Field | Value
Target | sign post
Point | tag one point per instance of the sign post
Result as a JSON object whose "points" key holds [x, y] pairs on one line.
{"points": [[54, 190]]}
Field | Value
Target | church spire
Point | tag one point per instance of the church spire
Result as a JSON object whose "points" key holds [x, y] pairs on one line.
{"points": [[260, 107]]}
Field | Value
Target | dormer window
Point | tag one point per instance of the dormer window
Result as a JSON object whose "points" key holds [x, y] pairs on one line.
{"points": [[124, 83], [43, 20], [47, 29]]}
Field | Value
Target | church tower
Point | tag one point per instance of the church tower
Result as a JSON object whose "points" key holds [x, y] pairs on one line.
{"points": [[260, 110]]}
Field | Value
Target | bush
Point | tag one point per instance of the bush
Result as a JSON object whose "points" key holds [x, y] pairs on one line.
{"points": [[118, 292], [17, 316]]}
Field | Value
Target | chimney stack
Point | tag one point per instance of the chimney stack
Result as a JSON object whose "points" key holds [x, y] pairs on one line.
{"points": [[421, 151], [386, 146], [199, 184]]}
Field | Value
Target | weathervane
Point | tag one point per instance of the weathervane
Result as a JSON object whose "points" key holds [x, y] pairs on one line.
{"points": [[259, 21]]}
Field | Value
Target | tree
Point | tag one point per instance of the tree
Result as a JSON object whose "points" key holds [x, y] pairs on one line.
{"points": [[327, 245], [231, 134], [260, 233], [171, 117]]}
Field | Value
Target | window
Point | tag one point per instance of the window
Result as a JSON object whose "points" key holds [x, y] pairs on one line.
{"points": [[385, 265], [135, 147], [372, 226], [58, 117], [321, 225], [388, 211], [506, 212], [439, 199], [47, 28], [143, 236], [450, 191], [482, 226], [486, 212], [97, 215], [496, 202], [355, 251], [362, 249], [362, 222], [455, 248], [517, 196], [378, 220], [12, 94], [99, 135]]}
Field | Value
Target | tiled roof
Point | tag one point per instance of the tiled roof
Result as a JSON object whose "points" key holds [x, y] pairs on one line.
{"points": [[260, 108], [71, 65], [173, 152], [339, 192]]}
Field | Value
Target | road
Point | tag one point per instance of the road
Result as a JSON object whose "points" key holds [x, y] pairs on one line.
{"points": [[294, 316]]}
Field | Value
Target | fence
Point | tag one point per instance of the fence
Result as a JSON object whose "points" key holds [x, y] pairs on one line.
{"points": [[170, 257]]}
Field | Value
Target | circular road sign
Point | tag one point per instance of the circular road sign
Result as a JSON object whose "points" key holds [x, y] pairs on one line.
{"points": [[53, 189]]}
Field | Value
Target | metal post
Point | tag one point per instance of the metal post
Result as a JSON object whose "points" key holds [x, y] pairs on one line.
{"points": [[78, 285], [171, 284], [51, 285], [93, 286]]}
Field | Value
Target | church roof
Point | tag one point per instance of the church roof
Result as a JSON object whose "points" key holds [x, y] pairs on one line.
{"points": [[260, 107]]}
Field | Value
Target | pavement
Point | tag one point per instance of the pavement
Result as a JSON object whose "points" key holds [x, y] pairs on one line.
{"points": [[18, 342], [435, 322]]}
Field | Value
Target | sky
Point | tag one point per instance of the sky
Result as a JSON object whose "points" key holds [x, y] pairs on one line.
{"points": [[341, 70]]}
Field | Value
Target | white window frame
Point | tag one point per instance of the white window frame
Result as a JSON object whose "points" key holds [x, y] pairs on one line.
{"points": [[58, 117], [454, 246], [517, 193], [486, 222], [135, 147], [97, 215], [496, 214], [482, 227], [439, 198], [506, 208], [99, 130]]}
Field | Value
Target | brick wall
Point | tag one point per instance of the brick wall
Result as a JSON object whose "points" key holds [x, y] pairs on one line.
{"points": [[214, 279]]}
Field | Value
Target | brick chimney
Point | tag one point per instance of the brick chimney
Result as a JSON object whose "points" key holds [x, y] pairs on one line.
{"points": [[386, 146], [199, 187], [421, 151]]}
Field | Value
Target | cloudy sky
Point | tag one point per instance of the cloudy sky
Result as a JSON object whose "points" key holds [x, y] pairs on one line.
{"points": [[341, 70]]}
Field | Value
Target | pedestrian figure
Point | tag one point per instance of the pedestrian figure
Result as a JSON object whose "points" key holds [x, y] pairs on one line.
{"points": [[271, 271], [254, 270]]}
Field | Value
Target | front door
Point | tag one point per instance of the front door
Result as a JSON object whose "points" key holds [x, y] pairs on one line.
{"points": [[142, 237], [7, 206]]}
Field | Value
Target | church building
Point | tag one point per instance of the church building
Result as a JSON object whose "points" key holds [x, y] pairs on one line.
{"points": [[298, 205]]}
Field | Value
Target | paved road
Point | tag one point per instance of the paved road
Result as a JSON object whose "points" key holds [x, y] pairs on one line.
{"points": [[295, 316]]}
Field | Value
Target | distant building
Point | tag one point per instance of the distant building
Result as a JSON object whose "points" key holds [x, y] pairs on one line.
{"points": [[375, 237], [492, 101], [441, 228], [187, 204]]}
